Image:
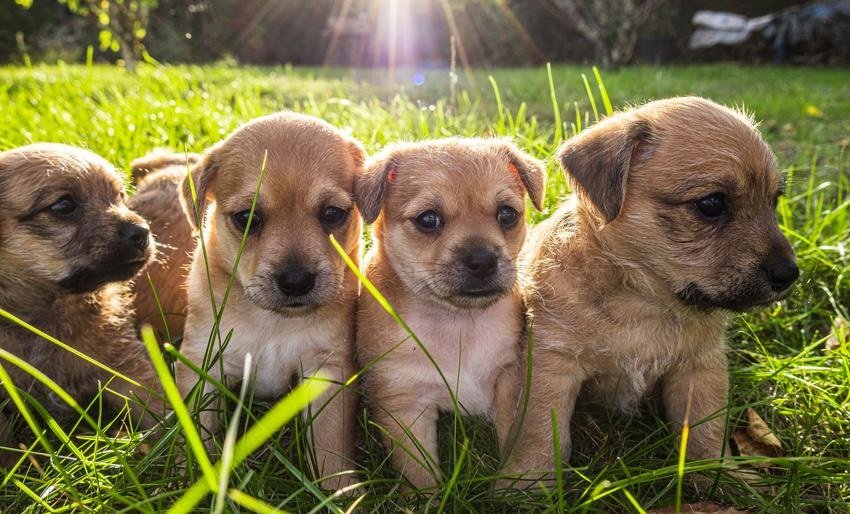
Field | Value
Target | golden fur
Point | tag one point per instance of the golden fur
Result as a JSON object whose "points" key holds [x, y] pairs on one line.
{"points": [[68, 245], [157, 199], [469, 324], [632, 281], [310, 171]]}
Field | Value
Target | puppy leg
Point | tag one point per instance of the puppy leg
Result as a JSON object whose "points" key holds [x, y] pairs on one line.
{"points": [[554, 387], [333, 425], [411, 431], [708, 378], [507, 408]]}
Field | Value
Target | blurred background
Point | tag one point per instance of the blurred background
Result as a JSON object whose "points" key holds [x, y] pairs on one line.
{"points": [[426, 33]]}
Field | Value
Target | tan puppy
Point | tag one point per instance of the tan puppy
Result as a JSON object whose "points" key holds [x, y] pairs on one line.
{"points": [[293, 299], [450, 229], [673, 226], [157, 198], [68, 245]]}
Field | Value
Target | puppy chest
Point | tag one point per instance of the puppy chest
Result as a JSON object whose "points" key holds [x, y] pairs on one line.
{"points": [[469, 355]]}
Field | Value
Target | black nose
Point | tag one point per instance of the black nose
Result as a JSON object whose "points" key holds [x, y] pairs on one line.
{"points": [[136, 236], [781, 274], [480, 263], [296, 281]]}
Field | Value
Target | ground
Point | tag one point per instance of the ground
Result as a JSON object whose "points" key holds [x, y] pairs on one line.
{"points": [[788, 362]]}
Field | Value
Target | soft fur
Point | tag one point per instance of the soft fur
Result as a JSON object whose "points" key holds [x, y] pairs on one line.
{"points": [[158, 176], [66, 274], [311, 167], [470, 326], [632, 284]]}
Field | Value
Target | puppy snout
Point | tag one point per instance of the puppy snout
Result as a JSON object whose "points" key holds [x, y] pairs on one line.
{"points": [[480, 263], [296, 281], [134, 235], [781, 273]]}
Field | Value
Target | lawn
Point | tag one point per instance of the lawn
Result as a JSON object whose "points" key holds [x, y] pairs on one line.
{"points": [[789, 362]]}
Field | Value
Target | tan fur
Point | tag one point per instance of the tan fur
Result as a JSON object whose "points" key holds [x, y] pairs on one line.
{"points": [[631, 285], [474, 341], [42, 258], [310, 166], [157, 199]]}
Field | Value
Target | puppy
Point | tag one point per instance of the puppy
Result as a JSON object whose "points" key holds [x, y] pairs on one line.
{"points": [[450, 225], [292, 301], [68, 246], [672, 227], [158, 176]]}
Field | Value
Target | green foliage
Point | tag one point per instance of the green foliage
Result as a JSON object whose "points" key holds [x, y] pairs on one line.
{"points": [[780, 364]]}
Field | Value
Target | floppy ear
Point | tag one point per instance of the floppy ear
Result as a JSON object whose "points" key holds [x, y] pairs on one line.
{"points": [[358, 154], [597, 162], [201, 174], [531, 172], [370, 185]]}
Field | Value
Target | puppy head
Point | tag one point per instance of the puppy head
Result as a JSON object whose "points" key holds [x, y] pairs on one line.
{"points": [[305, 193], [686, 190], [451, 215], [63, 221]]}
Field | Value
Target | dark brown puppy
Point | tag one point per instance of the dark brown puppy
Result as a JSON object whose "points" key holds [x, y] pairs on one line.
{"points": [[673, 226], [157, 199], [68, 246]]}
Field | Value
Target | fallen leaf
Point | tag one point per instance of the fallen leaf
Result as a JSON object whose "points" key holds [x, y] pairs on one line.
{"points": [[757, 439], [699, 508], [840, 333]]}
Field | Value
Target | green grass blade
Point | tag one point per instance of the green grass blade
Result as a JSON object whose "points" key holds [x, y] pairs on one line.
{"points": [[175, 399], [253, 504], [282, 412], [556, 110], [603, 92]]}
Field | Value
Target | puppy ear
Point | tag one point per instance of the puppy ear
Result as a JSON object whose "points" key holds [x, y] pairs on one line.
{"points": [[531, 172], [597, 162], [201, 175], [357, 152], [370, 185]]}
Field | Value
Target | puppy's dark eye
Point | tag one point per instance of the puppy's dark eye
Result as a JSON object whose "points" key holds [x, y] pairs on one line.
{"points": [[429, 221], [64, 207], [712, 206], [241, 219], [507, 216], [333, 217]]}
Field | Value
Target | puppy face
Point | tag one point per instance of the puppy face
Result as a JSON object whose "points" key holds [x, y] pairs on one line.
{"points": [[687, 190], [63, 222], [452, 219], [306, 193]]}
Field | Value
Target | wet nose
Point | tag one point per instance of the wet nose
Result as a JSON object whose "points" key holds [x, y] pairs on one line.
{"points": [[296, 281], [136, 236], [480, 263], [781, 274]]}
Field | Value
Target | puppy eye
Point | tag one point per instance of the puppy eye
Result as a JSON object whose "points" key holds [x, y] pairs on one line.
{"points": [[429, 221], [333, 217], [241, 219], [712, 206], [64, 207], [507, 216]]}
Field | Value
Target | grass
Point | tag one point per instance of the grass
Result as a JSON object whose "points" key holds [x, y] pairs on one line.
{"points": [[780, 364]]}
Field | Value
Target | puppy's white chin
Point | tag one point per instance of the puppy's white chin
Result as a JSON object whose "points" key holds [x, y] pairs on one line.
{"points": [[464, 302]]}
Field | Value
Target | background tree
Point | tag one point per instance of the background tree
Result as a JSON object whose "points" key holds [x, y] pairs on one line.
{"points": [[611, 26], [123, 23]]}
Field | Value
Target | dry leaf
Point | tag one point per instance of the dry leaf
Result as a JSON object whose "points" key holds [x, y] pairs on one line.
{"points": [[840, 332], [757, 439], [699, 508]]}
